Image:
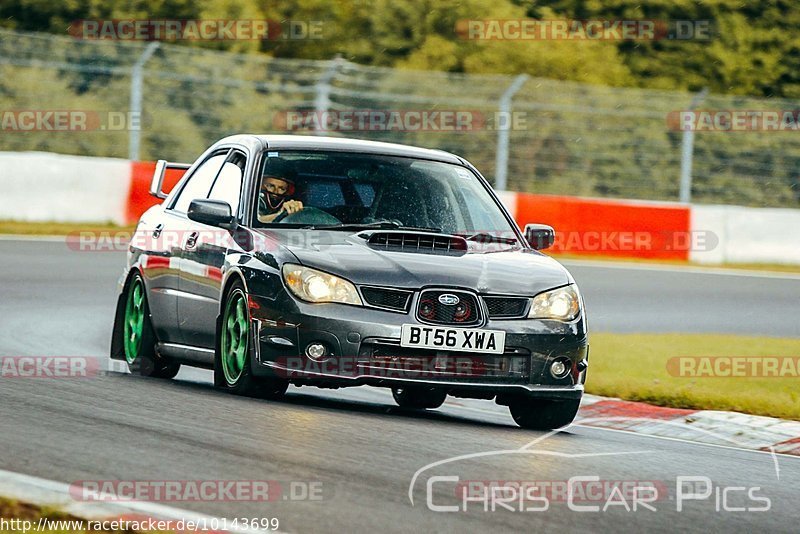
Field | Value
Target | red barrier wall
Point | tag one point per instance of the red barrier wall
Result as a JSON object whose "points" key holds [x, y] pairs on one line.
{"points": [[602, 227], [139, 199]]}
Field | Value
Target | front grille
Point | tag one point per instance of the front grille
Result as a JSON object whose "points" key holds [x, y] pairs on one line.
{"points": [[381, 297], [419, 242], [432, 308], [499, 307]]}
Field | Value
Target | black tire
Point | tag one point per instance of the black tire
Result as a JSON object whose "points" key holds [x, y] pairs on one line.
{"points": [[541, 414], [242, 383], [145, 361], [419, 398]]}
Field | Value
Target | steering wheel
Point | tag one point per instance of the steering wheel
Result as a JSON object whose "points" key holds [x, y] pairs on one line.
{"points": [[308, 215], [281, 216]]}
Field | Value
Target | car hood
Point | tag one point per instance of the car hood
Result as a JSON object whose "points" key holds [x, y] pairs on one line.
{"points": [[487, 268]]}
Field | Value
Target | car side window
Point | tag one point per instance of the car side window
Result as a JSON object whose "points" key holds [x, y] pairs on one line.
{"points": [[228, 185], [199, 183]]}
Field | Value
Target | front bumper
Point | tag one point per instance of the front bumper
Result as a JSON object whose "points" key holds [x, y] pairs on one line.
{"points": [[364, 349]]}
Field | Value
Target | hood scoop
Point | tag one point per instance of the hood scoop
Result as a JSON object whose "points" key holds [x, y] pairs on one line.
{"points": [[418, 242]]}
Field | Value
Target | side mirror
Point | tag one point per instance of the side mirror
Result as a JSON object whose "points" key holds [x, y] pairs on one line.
{"points": [[212, 212], [157, 182], [540, 236]]}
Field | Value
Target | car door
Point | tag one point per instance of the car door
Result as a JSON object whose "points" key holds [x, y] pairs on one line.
{"points": [[161, 252], [203, 257], [180, 228], [161, 241]]}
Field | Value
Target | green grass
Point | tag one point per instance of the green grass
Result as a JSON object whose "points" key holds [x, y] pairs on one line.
{"points": [[58, 229], [634, 367]]}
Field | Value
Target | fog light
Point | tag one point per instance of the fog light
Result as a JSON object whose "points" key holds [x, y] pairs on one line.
{"points": [[559, 368], [316, 351], [426, 309]]}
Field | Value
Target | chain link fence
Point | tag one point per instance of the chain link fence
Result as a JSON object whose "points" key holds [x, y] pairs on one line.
{"points": [[562, 137]]}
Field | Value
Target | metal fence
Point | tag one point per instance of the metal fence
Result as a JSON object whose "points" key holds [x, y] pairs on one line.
{"points": [[527, 134]]}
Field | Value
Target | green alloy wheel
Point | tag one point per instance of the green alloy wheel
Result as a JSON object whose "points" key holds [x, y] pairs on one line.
{"points": [[138, 338], [232, 370], [134, 321], [235, 331]]}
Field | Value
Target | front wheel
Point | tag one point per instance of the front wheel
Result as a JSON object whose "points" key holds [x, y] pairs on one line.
{"points": [[541, 414], [232, 370], [138, 337], [419, 398]]}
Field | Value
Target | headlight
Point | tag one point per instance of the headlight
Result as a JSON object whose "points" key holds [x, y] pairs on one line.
{"points": [[315, 286], [563, 304]]}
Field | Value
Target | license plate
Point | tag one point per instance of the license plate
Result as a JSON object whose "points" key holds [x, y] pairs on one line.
{"points": [[455, 339]]}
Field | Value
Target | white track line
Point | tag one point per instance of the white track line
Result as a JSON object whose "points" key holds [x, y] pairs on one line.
{"points": [[33, 238], [688, 269], [690, 442], [577, 423]]}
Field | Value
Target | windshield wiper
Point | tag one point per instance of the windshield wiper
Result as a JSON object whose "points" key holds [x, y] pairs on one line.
{"points": [[483, 237], [383, 225]]}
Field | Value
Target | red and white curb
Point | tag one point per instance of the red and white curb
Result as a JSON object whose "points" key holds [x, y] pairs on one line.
{"points": [[730, 429], [48, 493]]}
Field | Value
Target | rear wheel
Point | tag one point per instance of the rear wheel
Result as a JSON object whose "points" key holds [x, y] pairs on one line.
{"points": [[139, 340], [419, 398], [541, 414], [232, 370]]}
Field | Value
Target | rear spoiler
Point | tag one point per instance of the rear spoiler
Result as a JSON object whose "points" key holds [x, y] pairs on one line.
{"points": [[162, 166]]}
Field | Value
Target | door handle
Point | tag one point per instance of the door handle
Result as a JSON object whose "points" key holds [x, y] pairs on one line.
{"points": [[157, 230], [191, 241]]}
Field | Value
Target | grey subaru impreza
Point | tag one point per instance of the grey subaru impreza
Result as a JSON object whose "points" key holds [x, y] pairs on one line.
{"points": [[330, 262]]}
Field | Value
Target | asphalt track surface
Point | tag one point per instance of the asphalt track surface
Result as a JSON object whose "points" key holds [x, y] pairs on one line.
{"points": [[355, 444]]}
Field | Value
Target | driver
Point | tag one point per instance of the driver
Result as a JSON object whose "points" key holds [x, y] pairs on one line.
{"points": [[273, 201]]}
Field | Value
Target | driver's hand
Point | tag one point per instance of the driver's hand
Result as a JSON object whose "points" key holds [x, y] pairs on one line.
{"points": [[292, 206]]}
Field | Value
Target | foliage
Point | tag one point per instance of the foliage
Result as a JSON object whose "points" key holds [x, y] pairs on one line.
{"points": [[754, 47]]}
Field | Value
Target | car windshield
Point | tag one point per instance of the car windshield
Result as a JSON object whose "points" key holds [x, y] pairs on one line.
{"points": [[334, 190]]}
